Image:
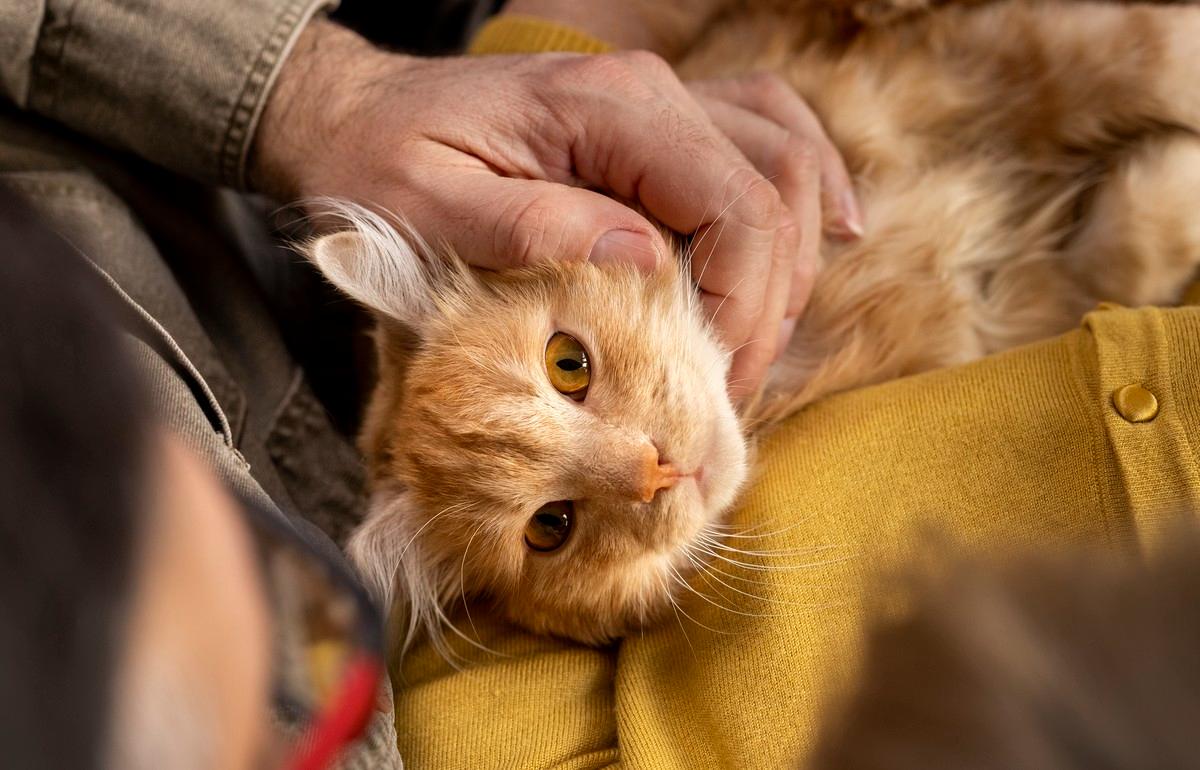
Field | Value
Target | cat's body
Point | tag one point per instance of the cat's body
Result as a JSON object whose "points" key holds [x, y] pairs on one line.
{"points": [[1016, 163]]}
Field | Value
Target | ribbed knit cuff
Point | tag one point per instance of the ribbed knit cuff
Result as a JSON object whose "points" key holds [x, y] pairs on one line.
{"points": [[529, 34]]}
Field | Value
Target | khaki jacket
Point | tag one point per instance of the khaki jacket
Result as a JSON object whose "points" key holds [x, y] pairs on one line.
{"points": [[119, 119], [180, 83]]}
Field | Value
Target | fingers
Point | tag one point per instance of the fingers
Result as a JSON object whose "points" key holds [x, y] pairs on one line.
{"points": [[807, 244], [655, 144], [768, 146], [530, 221], [675, 163], [790, 164], [770, 97], [752, 359]]}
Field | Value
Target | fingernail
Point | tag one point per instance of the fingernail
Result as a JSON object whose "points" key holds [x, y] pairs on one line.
{"points": [[851, 215], [786, 327], [625, 246]]}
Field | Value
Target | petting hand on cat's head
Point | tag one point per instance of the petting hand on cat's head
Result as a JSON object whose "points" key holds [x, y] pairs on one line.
{"points": [[492, 156]]}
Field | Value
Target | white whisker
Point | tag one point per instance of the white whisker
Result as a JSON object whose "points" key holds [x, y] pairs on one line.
{"points": [[682, 630], [462, 577], [774, 552], [719, 606], [680, 609], [711, 571], [455, 508]]}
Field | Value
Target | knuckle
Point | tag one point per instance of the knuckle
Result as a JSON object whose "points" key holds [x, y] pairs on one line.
{"points": [[767, 87], [623, 70], [755, 198], [796, 301], [805, 272], [788, 233], [601, 71], [801, 291], [801, 155], [521, 233], [646, 62], [682, 131]]}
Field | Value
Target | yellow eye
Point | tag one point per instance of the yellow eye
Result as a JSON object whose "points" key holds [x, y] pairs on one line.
{"points": [[547, 529], [567, 366]]}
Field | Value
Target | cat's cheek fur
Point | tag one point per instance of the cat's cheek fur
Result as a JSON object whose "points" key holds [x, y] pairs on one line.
{"points": [[382, 545], [728, 460], [465, 437], [616, 600]]}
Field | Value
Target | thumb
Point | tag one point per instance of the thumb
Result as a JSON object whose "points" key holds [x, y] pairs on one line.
{"points": [[524, 222]]}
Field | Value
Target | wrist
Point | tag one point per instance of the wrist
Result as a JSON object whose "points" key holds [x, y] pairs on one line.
{"points": [[317, 86]]}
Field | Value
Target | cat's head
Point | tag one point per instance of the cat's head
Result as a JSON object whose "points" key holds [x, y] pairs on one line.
{"points": [[552, 439]]}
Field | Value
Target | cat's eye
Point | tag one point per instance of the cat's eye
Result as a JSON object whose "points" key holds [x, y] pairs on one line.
{"points": [[549, 527], [567, 366]]}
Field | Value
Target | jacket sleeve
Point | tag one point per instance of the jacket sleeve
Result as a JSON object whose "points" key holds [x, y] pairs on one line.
{"points": [[181, 83]]}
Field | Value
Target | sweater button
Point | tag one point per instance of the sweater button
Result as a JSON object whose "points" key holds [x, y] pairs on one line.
{"points": [[1135, 403]]}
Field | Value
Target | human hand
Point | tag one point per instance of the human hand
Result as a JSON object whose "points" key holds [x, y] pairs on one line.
{"points": [[490, 156], [780, 135], [764, 117]]}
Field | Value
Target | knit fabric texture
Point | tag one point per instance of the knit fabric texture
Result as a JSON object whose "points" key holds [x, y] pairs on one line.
{"points": [[510, 33]]}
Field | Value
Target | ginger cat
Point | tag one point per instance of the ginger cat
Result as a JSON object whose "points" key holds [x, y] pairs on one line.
{"points": [[558, 441]]}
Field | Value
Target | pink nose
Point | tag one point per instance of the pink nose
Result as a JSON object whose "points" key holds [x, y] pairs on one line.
{"points": [[655, 475]]}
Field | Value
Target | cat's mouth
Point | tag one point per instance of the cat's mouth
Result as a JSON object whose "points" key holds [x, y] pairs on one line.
{"points": [[699, 476]]}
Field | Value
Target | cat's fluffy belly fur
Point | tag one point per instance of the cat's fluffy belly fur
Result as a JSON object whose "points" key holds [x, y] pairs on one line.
{"points": [[1016, 163]]}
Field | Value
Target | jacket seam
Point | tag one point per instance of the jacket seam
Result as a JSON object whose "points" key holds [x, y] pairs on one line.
{"points": [[260, 76], [45, 81], [152, 333], [1168, 367]]}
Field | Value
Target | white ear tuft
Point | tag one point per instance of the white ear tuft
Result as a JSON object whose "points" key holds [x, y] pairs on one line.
{"points": [[377, 547], [400, 574], [377, 264]]}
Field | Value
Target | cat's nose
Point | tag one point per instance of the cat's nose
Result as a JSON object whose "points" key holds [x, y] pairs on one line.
{"points": [[655, 474]]}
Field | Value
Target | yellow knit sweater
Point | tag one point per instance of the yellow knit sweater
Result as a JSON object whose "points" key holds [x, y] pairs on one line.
{"points": [[1044, 444]]}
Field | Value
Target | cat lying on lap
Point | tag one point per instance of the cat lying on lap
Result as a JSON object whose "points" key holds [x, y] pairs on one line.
{"points": [[558, 440], [555, 438]]}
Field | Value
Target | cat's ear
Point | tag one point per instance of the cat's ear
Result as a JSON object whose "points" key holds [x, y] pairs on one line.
{"points": [[382, 265]]}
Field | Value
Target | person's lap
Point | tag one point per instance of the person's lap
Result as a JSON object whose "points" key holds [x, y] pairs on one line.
{"points": [[173, 250], [219, 373], [1021, 449]]}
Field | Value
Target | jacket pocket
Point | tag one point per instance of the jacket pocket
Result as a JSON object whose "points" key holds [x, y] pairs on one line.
{"points": [[323, 473]]}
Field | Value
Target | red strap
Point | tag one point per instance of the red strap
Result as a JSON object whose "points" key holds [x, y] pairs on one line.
{"points": [[344, 719]]}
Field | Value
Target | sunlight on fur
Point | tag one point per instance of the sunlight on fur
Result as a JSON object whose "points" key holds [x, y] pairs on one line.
{"points": [[1016, 164]]}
